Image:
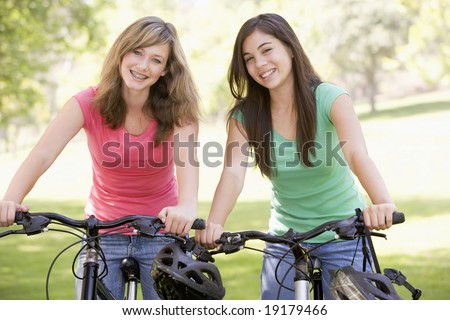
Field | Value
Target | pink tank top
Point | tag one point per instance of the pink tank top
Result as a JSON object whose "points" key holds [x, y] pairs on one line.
{"points": [[130, 175]]}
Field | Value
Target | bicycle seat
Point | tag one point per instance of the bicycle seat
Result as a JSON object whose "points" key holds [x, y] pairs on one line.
{"points": [[130, 269]]}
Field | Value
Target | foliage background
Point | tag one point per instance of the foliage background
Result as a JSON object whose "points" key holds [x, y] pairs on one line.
{"points": [[376, 49]]}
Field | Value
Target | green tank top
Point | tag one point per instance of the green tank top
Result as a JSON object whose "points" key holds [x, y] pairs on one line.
{"points": [[305, 197]]}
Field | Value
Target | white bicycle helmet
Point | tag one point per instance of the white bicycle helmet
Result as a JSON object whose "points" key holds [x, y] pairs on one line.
{"points": [[349, 284], [180, 277]]}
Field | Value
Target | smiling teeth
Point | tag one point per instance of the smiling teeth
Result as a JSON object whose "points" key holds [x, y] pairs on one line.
{"points": [[268, 73], [138, 75]]}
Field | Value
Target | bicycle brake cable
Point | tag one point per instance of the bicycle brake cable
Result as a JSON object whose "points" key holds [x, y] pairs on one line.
{"points": [[292, 266], [47, 280]]}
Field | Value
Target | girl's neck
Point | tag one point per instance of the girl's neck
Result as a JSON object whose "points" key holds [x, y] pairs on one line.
{"points": [[281, 102], [135, 100]]}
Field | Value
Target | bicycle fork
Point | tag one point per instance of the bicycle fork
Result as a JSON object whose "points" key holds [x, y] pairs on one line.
{"points": [[301, 279], [92, 290], [304, 267], [90, 273]]}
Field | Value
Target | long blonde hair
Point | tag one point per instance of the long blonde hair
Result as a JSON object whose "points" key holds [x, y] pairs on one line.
{"points": [[173, 99]]}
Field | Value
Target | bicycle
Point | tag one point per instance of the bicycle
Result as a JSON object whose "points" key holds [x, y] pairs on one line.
{"points": [[92, 287], [308, 277]]}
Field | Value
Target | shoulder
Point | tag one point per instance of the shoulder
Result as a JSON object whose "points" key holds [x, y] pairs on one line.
{"points": [[327, 89], [85, 96], [237, 113], [326, 93], [85, 100]]}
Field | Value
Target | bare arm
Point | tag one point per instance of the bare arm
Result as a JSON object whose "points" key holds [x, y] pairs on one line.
{"points": [[229, 187], [179, 219], [59, 132], [378, 215]]}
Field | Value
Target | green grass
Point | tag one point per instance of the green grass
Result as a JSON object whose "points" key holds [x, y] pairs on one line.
{"points": [[407, 111], [26, 260]]}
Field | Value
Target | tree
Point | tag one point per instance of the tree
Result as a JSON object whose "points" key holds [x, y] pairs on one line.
{"points": [[35, 35], [429, 47], [363, 35]]}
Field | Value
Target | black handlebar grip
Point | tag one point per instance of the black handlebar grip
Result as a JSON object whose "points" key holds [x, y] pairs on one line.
{"points": [[398, 217], [199, 224], [18, 216]]}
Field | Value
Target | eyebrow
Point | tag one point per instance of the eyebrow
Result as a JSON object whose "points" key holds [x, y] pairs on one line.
{"points": [[261, 45]]}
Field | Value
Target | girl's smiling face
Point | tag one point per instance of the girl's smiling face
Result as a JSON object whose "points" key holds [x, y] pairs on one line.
{"points": [[268, 60], [141, 68]]}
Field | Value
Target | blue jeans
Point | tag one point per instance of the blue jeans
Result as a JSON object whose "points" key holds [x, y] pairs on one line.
{"points": [[117, 247], [332, 256]]}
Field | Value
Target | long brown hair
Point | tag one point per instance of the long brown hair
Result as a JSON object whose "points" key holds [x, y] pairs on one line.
{"points": [[173, 99], [253, 100]]}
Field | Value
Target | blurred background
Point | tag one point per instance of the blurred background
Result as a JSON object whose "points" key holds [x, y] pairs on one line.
{"points": [[393, 56], [380, 51]]}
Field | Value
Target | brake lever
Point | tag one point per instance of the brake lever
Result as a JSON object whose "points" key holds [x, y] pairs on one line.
{"points": [[143, 227], [230, 243], [351, 228], [33, 224]]}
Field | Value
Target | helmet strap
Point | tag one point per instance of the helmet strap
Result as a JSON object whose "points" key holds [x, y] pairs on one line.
{"points": [[400, 279]]}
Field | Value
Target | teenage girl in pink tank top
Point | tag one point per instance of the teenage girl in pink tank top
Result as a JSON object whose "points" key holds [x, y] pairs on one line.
{"points": [[140, 122]]}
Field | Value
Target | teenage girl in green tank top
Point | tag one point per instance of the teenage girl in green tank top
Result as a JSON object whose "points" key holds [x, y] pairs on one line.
{"points": [[306, 139]]}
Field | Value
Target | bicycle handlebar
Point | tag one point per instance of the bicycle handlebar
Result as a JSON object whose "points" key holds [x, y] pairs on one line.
{"points": [[346, 229], [34, 223]]}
